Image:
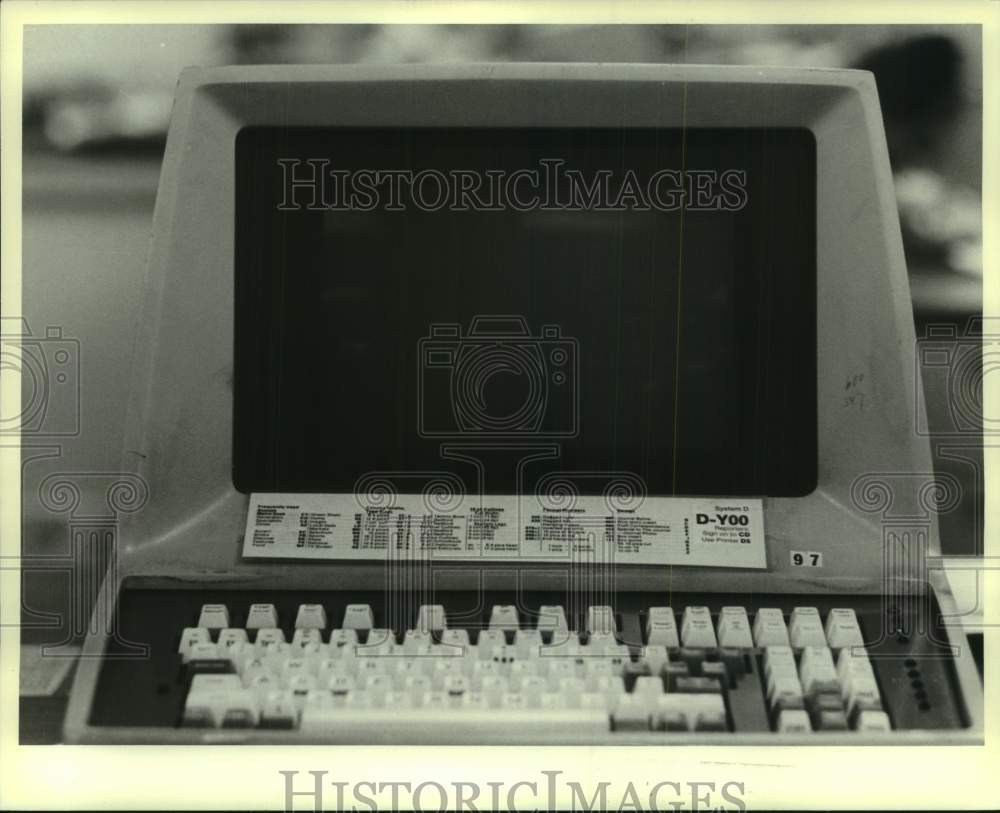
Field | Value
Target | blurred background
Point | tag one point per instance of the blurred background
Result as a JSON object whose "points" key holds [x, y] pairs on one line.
{"points": [[97, 102]]}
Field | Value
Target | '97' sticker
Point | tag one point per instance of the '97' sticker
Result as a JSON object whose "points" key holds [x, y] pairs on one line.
{"points": [[806, 558]]}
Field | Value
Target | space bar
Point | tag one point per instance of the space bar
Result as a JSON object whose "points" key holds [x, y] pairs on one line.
{"points": [[451, 725]]}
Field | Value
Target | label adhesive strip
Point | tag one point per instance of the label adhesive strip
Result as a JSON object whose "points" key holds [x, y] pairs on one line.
{"points": [[657, 531]]}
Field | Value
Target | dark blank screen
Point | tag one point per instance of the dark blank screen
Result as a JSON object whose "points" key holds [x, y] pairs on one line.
{"points": [[677, 345]]}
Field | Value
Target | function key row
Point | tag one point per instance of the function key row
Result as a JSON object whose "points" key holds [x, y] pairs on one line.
{"points": [[732, 627]]}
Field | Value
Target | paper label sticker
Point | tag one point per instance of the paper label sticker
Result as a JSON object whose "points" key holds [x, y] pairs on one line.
{"points": [[658, 531]]}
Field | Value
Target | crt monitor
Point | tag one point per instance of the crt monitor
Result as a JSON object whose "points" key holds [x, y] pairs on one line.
{"points": [[691, 275]]}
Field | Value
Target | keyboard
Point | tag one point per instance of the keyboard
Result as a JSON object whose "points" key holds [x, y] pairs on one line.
{"points": [[508, 666]]}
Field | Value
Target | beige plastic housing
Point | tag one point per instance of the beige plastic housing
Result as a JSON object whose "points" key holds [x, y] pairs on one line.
{"points": [[873, 466], [872, 515]]}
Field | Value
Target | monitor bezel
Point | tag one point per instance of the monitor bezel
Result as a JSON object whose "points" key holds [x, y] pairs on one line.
{"points": [[873, 470]]}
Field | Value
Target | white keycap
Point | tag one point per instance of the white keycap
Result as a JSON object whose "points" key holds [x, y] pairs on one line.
{"points": [[343, 642], [696, 627], [661, 627], [269, 637], [655, 657], [601, 643], [380, 641], [513, 701], [201, 652], [310, 617], [455, 638], [431, 618], [552, 617], [533, 687], [232, 640], [816, 670], [341, 684], [852, 663], [278, 710], [456, 685], [213, 617], [528, 643], [503, 617], [358, 617], [734, 628], [191, 636], [633, 713], [215, 683], [769, 628], [307, 639], [262, 616], [350, 725], [418, 641], [701, 706], [873, 721], [806, 628], [781, 674], [235, 707], [601, 620], [648, 685], [489, 639], [842, 629], [794, 721], [519, 670]]}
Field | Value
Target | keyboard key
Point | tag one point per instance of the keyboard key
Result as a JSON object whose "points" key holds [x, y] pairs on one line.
{"points": [[734, 628], [648, 685], [696, 628], [710, 720], [310, 617], [655, 657], [806, 628], [417, 642], [191, 636], [769, 628], [307, 640], [232, 641], [817, 672], [262, 616], [696, 685], [842, 629], [278, 710], [215, 683], [873, 721], [633, 713], [831, 721], [202, 652], [456, 639], [601, 643], [552, 618], [345, 640], [431, 618], [358, 617], [380, 641], [504, 617], [269, 638], [794, 721], [601, 620], [528, 643], [213, 617], [487, 640], [661, 627]]}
